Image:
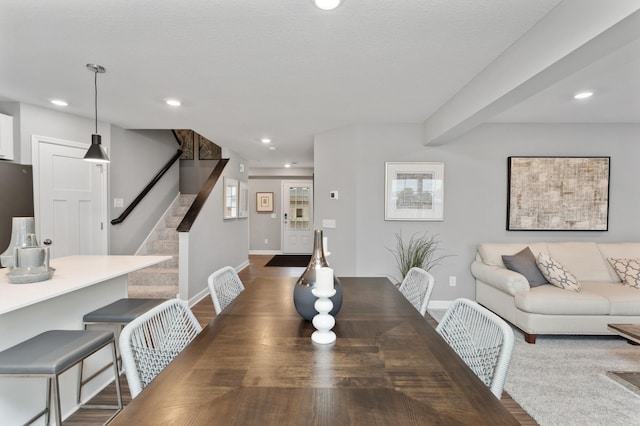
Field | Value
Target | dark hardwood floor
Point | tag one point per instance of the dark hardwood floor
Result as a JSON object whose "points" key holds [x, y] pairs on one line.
{"points": [[203, 310]]}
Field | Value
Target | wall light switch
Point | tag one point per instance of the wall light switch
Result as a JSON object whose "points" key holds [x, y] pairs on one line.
{"points": [[328, 223], [273, 216], [118, 202], [333, 195]]}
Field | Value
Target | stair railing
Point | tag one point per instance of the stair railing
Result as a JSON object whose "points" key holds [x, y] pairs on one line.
{"points": [[201, 198], [147, 189]]}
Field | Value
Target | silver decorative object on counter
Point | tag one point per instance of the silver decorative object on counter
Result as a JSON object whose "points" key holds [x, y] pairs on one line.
{"points": [[23, 234], [31, 265], [303, 299], [26, 260]]}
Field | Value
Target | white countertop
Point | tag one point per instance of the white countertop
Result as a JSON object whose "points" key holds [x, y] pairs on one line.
{"points": [[72, 273]]}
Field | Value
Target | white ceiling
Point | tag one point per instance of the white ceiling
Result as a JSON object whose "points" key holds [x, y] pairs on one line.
{"points": [[245, 69]]}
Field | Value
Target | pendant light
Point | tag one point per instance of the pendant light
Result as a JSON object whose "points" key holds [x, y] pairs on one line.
{"points": [[96, 153]]}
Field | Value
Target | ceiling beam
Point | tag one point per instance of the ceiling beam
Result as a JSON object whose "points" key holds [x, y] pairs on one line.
{"points": [[573, 35]]}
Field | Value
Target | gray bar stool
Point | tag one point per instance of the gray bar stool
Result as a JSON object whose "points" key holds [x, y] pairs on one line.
{"points": [[50, 354], [116, 314]]}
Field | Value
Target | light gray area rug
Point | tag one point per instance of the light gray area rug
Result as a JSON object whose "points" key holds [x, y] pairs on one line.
{"points": [[562, 380]]}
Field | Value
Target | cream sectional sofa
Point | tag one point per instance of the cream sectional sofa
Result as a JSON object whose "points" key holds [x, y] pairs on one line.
{"points": [[548, 309]]}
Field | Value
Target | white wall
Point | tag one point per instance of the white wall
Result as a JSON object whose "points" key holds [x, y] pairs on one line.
{"points": [[32, 120], [475, 191], [213, 242], [136, 157]]}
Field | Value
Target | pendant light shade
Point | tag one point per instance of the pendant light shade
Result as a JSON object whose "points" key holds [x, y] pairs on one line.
{"points": [[96, 152]]}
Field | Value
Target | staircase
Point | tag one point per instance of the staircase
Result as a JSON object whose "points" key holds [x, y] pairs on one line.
{"points": [[161, 281]]}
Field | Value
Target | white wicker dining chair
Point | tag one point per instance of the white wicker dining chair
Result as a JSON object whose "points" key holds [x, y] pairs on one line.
{"points": [[482, 339], [151, 341], [224, 285], [417, 286]]}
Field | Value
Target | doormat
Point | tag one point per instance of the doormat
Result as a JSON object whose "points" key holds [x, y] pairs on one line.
{"points": [[291, 260]]}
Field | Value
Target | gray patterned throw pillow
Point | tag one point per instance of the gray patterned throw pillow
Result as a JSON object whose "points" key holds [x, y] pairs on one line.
{"points": [[628, 270], [555, 273]]}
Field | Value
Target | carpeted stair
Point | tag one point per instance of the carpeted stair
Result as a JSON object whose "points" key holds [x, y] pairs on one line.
{"points": [[161, 280]]}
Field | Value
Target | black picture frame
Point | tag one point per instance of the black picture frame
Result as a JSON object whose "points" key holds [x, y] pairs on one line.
{"points": [[558, 193]]}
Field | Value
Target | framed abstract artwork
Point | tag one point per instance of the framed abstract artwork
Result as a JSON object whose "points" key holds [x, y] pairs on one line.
{"points": [[558, 194], [264, 201], [414, 191]]}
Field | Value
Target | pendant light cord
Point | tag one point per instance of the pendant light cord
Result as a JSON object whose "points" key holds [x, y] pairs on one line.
{"points": [[95, 84]]}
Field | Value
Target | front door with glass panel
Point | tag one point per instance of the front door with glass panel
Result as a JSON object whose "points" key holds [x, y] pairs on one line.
{"points": [[297, 215]]}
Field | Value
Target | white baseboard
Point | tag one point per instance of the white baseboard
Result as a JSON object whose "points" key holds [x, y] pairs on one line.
{"points": [[439, 304], [265, 251], [198, 297], [242, 265], [205, 292]]}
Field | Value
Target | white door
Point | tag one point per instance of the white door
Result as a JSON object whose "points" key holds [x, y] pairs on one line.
{"points": [[297, 214], [69, 198]]}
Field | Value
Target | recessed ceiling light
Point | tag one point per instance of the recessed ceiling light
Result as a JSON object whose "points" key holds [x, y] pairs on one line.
{"points": [[59, 102], [173, 102], [327, 4], [583, 95], [265, 140], [272, 148], [287, 165]]}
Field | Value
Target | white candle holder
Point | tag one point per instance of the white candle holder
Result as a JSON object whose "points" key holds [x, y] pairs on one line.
{"points": [[323, 321]]}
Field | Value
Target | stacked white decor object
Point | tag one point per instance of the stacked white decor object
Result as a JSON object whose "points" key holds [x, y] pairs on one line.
{"points": [[323, 321]]}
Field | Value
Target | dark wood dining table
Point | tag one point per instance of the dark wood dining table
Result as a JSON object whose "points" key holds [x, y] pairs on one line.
{"points": [[255, 363]]}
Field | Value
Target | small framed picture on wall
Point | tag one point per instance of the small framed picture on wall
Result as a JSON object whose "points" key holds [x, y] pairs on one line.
{"points": [[264, 201], [414, 191]]}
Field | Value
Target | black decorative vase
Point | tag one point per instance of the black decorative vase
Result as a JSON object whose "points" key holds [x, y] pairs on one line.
{"points": [[303, 299]]}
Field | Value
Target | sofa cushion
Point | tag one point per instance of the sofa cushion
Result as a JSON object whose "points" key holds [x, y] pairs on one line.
{"points": [[491, 253], [524, 262], [623, 300], [618, 251], [551, 300], [628, 270], [583, 259], [556, 274]]}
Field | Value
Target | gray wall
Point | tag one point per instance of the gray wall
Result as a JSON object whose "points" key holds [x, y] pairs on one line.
{"points": [[475, 169], [213, 242], [336, 160], [194, 173], [136, 157], [261, 224]]}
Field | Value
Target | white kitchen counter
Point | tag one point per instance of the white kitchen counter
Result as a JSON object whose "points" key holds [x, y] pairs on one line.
{"points": [[79, 285], [72, 273]]}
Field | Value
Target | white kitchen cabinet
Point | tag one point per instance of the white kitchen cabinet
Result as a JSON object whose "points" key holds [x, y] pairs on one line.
{"points": [[6, 137]]}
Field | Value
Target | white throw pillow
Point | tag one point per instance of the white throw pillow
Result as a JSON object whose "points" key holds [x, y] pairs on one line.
{"points": [[556, 274], [628, 270]]}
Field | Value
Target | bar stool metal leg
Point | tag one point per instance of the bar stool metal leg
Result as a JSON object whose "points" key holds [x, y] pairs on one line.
{"points": [[52, 353], [56, 399], [114, 316], [117, 382], [83, 381]]}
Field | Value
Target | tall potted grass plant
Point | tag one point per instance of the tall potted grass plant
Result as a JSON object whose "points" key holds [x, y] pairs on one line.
{"points": [[420, 250]]}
